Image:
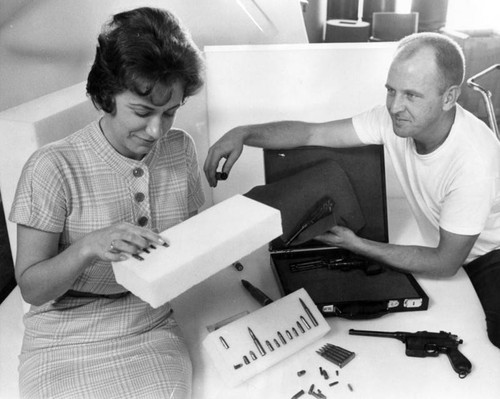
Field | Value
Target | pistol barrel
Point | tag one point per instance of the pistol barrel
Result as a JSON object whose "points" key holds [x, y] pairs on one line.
{"points": [[395, 334]]}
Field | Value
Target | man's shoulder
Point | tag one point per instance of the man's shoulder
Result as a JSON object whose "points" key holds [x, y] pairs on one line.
{"points": [[374, 122], [474, 131], [468, 119], [475, 142]]}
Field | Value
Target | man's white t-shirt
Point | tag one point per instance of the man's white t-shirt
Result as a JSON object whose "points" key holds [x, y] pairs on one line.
{"points": [[455, 187]]}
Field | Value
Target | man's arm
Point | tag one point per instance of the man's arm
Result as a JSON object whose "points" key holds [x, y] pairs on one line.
{"points": [[277, 135], [442, 261]]}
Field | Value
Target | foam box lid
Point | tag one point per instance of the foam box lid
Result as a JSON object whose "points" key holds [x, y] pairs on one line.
{"points": [[198, 248]]}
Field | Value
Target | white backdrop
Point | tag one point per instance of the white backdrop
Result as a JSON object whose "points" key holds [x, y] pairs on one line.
{"points": [[317, 82]]}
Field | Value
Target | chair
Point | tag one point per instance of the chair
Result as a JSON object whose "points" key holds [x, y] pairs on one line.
{"points": [[393, 26], [487, 96]]}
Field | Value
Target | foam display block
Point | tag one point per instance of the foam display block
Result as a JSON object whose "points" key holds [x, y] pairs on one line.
{"points": [[198, 248], [275, 326]]}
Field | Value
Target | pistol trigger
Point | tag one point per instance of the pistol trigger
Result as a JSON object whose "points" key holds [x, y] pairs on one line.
{"points": [[432, 350]]}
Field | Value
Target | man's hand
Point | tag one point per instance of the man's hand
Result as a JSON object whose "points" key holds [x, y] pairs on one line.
{"points": [[229, 147], [441, 261], [339, 236]]}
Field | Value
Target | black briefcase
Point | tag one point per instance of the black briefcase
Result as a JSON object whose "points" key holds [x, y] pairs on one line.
{"points": [[334, 186]]}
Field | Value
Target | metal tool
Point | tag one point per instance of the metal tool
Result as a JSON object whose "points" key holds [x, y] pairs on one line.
{"points": [[343, 263]]}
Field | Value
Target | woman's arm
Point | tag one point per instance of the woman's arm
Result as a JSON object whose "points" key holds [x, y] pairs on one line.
{"points": [[43, 275]]}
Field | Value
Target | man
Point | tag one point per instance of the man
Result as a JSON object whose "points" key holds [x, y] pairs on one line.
{"points": [[447, 161]]}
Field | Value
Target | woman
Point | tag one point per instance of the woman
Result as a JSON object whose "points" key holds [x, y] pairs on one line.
{"points": [[98, 196]]}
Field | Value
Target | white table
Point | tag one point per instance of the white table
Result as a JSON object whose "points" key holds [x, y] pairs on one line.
{"points": [[380, 369]]}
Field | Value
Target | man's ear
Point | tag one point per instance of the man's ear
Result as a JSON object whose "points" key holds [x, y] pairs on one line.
{"points": [[450, 97]]}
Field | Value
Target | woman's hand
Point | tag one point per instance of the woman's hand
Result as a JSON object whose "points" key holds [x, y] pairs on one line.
{"points": [[120, 241]]}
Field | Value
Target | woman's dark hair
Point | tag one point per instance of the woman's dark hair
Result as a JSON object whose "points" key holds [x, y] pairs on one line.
{"points": [[144, 50]]}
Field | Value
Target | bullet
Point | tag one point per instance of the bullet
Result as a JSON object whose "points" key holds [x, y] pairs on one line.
{"points": [[305, 322], [309, 313], [224, 343], [281, 338], [298, 394], [257, 342], [238, 266], [221, 175], [269, 346], [262, 298]]}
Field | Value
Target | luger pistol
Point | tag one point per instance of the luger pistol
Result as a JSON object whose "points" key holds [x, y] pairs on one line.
{"points": [[424, 344]]}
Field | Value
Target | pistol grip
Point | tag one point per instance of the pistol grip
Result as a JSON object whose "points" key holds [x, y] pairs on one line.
{"points": [[459, 362]]}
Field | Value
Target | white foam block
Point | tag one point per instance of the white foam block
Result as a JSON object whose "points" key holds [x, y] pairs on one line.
{"points": [[198, 248], [227, 345]]}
